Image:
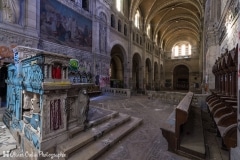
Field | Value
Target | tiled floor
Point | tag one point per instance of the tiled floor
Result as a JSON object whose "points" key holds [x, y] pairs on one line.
{"points": [[147, 142]]}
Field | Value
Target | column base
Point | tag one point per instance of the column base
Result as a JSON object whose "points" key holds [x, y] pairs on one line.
{"points": [[235, 153]]}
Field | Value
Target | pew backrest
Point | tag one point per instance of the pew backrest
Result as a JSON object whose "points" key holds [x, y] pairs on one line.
{"points": [[182, 111]]}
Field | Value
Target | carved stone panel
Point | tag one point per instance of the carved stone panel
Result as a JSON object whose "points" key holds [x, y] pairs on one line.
{"points": [[53, 114]]}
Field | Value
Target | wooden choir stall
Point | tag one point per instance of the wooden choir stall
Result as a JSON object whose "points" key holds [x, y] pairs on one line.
{"points": [[222, 103]]}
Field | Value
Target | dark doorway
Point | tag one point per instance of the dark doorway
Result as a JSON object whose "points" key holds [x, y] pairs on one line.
{"points": [[3, 85], [117, 68], [136, 71], [181, 77]]}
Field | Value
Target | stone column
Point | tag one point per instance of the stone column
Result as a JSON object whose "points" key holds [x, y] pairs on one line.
{"points": [[230, 84], [32, 14], [129, 57], [144, 62]]}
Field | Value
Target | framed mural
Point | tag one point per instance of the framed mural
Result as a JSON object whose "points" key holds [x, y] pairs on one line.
{"points": [[62, 25]]}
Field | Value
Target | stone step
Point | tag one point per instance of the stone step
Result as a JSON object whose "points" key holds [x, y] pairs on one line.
{"points": [[102, 119], [97, 148], [92, 134], [92, 123]]}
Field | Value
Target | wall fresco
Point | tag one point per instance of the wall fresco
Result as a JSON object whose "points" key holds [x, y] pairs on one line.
{"points": [[62, 25]]}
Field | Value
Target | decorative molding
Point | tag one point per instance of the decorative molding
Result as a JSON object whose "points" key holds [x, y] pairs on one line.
{"points": [[10, 38]]}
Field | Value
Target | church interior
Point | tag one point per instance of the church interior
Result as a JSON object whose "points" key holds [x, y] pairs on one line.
{"points": [[120, 79]]}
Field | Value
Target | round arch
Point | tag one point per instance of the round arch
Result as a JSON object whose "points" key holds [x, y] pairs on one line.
{"points": [[148, 74], [136, 71], [181, 77], [117, 67]]}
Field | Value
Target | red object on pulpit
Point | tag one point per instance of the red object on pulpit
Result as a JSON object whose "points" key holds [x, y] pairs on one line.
{"points": [[56, 72]]}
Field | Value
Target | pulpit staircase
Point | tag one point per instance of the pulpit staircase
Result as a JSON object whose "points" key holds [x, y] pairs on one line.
{"points": [[98, 136]]}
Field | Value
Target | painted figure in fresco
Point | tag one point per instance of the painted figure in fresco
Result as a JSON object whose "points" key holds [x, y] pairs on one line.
{"points": [[61, 31], [11, 11], [68, 28], [102, 39]]}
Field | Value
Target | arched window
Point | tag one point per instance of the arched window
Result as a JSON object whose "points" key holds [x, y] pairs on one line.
{"points": [[125, 29], [85, 5], [181, 49], [119, 5], [176, 51], [149, 30], [119, 26], [156, 38], [112, 21], [137, 19]]}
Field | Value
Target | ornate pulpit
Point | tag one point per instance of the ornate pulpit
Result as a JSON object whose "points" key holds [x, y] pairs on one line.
{"points": [[40, 98]]}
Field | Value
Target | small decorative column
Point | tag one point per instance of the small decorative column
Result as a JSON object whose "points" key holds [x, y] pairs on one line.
{"points": [[230, 84], [218, 80], [221, 83], [50, 71], [45, 71], [226, 84], [66, 72]]}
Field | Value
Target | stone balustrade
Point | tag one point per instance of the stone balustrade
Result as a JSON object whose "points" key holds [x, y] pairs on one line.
{"points": [[176, 97], [117, 92]]}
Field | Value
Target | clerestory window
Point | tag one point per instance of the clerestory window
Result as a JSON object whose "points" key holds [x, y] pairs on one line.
{"points": [[149, 30], [181, 50], [119, 5], [137, 19]]}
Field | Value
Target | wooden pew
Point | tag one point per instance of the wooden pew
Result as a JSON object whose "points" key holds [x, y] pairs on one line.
{"points": [[178, 125]]}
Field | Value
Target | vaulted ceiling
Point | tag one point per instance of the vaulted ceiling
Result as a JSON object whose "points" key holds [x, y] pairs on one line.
{"points": [[171, 20]]}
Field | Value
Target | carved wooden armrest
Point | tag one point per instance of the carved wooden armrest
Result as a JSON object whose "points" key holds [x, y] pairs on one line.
{"points": [[217, 119], [229, 136], [227, 119], [221, 111], [217, 106]]}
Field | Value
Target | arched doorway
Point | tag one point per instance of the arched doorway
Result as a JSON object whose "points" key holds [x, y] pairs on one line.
{"points": [[181, 77], [148, 75], [117, 67], [136, 64]]}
